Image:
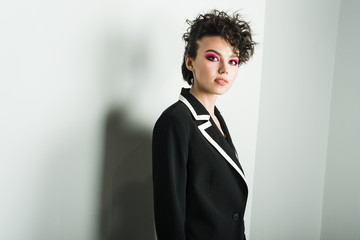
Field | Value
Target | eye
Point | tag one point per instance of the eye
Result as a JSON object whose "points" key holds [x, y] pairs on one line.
{"points": [[212, 57], [234, 62]]}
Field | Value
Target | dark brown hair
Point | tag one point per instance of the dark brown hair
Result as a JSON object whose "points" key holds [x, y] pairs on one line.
{"points": [[232, 29]]}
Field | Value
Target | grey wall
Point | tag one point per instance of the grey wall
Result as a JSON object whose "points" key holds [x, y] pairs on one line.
{"points": [[341, 207], [297, 74]]}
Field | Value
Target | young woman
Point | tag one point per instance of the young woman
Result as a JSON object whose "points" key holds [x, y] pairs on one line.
{"points": [[200, 190]]}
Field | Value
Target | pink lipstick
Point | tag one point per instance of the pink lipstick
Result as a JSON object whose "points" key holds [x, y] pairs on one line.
{"points": [[221, 81]]}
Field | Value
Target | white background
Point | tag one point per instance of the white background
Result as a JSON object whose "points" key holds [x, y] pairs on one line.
{"points": [[293, 111]]}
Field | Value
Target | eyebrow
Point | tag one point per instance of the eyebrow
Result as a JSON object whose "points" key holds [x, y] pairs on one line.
{"points": [[212, 50]]}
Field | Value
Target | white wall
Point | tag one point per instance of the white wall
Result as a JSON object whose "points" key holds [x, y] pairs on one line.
{"points": [[341, 209], [297, 73], [63, 65], [51, 111]]}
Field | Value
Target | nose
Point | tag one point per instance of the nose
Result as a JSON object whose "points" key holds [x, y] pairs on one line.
{"points": [[223, 68]]}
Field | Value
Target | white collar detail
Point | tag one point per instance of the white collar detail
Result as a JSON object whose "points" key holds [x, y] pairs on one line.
{"points": [[202, 128], [206, 125], [197, 117]]}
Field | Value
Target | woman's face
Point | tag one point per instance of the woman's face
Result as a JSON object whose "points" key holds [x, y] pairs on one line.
{"points": [[215, 66]]}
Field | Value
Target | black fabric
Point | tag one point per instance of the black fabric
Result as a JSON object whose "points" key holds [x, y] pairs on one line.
{"points": [[198, 195]]}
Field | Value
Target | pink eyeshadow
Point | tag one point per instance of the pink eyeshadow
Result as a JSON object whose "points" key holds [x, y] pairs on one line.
{"points": [[234, 59], [211, 55]]}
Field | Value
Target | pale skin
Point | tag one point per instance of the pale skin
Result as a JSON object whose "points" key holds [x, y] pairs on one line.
{"points": [[214, 68]]}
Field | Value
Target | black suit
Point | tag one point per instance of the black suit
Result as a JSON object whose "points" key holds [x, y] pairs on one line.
{"points": [[200, 191]]}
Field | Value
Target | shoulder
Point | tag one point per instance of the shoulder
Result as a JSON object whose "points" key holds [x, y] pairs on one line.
{"points": [[175, 115], [176, 112]]}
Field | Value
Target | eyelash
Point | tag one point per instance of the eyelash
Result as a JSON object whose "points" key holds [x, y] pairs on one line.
{"points": [[212, 57]]}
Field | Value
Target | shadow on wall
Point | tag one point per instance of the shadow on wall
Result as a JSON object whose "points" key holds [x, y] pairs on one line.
{"points": [[126, 193], [126, 200]]}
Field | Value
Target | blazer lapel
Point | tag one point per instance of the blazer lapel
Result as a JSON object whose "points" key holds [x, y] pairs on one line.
{"points": [[224, 143], [210, 131], [227, 142]]}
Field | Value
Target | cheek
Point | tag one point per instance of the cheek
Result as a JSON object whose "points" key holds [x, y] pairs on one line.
{"points": [[204, 70], [210, 68], [234, 74]]}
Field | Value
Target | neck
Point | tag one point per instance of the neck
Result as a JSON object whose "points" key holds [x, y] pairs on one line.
{"points": [[206, 99]]}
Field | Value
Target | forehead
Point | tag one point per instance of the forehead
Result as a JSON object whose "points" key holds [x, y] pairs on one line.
{"points": [[216, 43]]}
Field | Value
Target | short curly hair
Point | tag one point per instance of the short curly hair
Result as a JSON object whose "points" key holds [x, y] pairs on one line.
{"points": [[232, 29]]}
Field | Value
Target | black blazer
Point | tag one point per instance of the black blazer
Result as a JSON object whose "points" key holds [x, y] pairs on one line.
{"points": [[200, 190]]}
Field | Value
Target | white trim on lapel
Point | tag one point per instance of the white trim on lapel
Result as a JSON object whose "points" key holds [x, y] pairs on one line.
{"points": [[202, 128], [197, 117]]}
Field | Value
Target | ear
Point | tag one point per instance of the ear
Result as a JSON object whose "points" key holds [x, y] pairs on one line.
{"points": [[189, 63]]}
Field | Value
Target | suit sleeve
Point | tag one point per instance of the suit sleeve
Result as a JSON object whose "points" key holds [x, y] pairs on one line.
{"points": [[169, 158]]}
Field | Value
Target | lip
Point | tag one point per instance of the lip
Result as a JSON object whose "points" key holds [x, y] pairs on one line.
{"points": [[221, 81]]}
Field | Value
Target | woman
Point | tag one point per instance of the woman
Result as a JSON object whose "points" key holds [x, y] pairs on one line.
{"points": [[200, 190]]}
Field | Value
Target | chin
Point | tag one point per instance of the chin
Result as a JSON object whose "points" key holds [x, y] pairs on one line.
{"points": [[222, 91]]}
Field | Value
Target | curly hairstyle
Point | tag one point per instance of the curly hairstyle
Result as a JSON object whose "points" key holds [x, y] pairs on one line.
{"points": [[232, 29]]}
